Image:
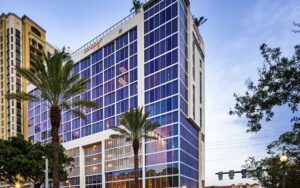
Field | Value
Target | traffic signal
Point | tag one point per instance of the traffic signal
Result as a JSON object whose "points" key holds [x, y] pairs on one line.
{"points": [[244, 173], [231, 174], [259, 172], [220, 176]]}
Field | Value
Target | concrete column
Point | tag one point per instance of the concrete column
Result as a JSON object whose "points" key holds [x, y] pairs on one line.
{"points": [[82, 167], [103, 163]]}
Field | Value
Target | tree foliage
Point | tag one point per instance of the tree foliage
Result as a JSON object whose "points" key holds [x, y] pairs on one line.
{"points": [[21, 161], [52, 75], [135, 126], [278, 85], [199, 21], [271, 176], [137, 5]]}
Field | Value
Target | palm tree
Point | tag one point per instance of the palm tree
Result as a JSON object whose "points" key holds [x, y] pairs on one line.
{"points": [[53, 77], [134, 127], [136, 6], [199, 21]]}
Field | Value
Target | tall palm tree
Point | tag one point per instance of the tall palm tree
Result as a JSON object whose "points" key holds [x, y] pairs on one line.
{"points": [[137, 5], [199, 21], [53, 77], [134, 127]]}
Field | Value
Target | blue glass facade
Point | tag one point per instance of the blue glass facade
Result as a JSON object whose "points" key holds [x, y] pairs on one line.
{"points": [[166, 98], [113, 85], [173, 160]]}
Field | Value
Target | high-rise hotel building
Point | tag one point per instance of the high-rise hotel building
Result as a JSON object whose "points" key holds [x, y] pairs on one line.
{"points": [[155, 59], [20, 39]]}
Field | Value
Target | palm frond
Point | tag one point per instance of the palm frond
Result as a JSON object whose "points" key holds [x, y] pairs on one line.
{"points": [[85, 103], [22, 96], [78, 113], [65, 105], [121, 130], [77, 87]]}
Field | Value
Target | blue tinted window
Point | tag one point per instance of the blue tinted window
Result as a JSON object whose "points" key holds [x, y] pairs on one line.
{"points": [[109, 49], [96, 80], [122, 80], [133, 48], [109, 111], [121, 54], [97, 56], [133, 35], [97, 127], [98, 91], [121, 41], [133, 75], [97, 115], [122, 93], [133, 89], [86, 131], [85, 63], [109, 61], [133, 102], [109, 99], [67, 137], [122, 106], [85, 73], [122, 67], [109, 86], [109, 74], [97, 68], [133, 61], [86, 121]]}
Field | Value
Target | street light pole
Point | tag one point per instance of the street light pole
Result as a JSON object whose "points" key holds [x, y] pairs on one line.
{"points": [[46, 171], [283, 159], [283, 175]]}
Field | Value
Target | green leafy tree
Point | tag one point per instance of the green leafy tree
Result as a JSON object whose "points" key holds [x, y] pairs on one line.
{"points": [[53, 77], [137, 5], [278, 85], [22, 162], [134, 127], [272, 172], [199, 21]]}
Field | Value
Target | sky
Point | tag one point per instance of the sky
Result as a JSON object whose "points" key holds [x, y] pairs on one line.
{"points": [[233, 33]]}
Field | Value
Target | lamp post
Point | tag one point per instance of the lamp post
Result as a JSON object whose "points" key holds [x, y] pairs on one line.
{"points": [[69, 183], [46, 171], [18, 185], [283, 159]]}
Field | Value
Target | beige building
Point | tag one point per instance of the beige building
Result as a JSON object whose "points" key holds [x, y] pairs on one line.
{"points": [[20, 39]]}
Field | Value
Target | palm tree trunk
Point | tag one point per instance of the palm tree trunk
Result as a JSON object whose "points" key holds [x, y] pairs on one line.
{"points": [[136, 145], [55, 123]]}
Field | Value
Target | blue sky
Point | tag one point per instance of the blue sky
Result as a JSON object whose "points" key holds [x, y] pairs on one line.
{"points": [[233, 33]]}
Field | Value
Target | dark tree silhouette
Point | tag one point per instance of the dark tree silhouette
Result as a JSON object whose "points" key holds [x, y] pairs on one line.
{"points": [[199, 21]]}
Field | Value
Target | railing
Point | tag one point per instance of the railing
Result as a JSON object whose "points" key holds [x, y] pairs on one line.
{"points": [[99, 37]]}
